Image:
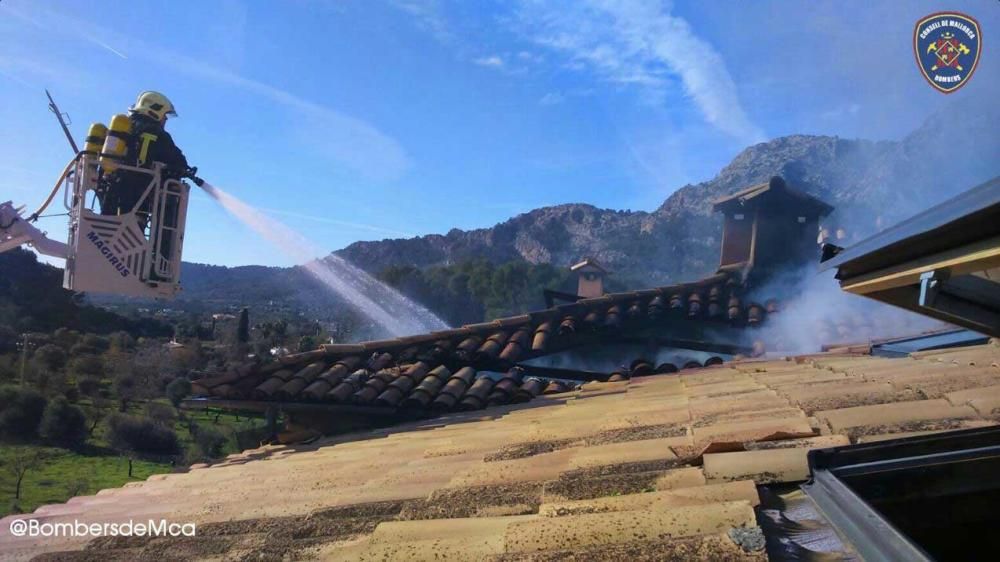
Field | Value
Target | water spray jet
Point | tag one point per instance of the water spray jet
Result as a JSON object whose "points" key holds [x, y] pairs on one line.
{"points": [[383, 305]]}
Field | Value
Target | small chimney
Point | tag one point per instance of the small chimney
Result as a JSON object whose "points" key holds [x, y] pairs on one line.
{"points": [[591, 278]]}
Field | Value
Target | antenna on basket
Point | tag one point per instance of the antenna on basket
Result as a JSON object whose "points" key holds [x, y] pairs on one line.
{"points": [[63, 121]]}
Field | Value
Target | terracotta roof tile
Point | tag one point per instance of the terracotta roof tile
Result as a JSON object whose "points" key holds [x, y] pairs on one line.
{"points": [[599, 470], [320, 375]]}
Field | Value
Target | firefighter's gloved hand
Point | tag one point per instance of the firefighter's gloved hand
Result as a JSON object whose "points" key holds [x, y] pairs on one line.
{"points": [[192, 173]]}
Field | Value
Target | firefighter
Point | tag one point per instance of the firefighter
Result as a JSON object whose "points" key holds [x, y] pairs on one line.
{"points": [[147, 142]]}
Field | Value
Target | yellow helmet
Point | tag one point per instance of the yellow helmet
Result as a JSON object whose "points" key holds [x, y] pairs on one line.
{"points": [[153, 104]]}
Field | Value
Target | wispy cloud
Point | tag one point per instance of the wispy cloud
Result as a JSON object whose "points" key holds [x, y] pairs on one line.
{"points": [[642, 45], [552, 98], [529, 56], [493, 60], [429, 16], [842, 111], [350, 141]]}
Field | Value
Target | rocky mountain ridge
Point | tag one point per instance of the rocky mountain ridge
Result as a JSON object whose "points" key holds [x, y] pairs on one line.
{"points": [[870, 183]]}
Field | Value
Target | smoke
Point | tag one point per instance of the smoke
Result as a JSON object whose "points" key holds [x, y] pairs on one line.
{"points": [[909, 179], [813, 311], [395, 314], [608, 358]]}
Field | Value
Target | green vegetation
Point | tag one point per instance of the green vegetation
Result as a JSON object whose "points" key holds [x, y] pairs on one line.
{"points": [[61, 474], [89, 399], [55, 474], [475, 290], [478, 290]]}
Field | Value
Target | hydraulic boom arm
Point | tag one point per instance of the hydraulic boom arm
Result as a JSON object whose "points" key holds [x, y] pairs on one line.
{"points": [[15, 231]]}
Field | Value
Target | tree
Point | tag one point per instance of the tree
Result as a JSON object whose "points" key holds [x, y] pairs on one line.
{"points": [[96, 413], [121, 341], [21, 411], [19, 461], [243, 328], [87, 366], [177, 390], [8, 338], [126, 389], [64, 424], [66, 338], [97, 342], [50, 357]]}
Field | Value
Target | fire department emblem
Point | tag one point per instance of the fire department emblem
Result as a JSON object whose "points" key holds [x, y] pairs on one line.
{"points": [[947, 46]]}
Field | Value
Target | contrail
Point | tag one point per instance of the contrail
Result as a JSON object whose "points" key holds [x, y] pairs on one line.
{"points": [[72, 30], [327, 220], [106, 46]]}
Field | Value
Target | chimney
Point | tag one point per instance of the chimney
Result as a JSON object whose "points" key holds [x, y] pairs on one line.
{"points": [[591, 278], [770, 227]]}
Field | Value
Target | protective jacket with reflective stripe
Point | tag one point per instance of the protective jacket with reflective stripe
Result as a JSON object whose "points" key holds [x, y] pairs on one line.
{"points": [[149, 143]]}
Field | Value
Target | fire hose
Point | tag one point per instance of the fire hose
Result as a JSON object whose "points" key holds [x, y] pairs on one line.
{"points": [[62, 177]]}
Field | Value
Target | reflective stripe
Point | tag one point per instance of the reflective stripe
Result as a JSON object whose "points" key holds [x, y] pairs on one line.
{"points": [[147, 138]]}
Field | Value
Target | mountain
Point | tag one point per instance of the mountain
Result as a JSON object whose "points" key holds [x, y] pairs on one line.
{"points": [[32, 300], [871, 184]]}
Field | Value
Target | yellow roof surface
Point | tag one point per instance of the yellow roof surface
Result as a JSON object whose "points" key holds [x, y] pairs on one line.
{"points": [[653, 468]]}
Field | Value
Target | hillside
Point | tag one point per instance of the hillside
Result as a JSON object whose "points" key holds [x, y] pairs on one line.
{"points": [[32, 300], [865, 180]]}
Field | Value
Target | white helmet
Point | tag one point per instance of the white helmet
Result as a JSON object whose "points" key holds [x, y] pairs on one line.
{"points": [[153, 104]]}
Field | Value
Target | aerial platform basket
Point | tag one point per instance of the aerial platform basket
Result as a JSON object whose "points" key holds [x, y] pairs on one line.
{"points": [[136, 252]]}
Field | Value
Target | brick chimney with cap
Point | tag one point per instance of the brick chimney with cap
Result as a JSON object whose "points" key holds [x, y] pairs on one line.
{"points": [[591, 278]]}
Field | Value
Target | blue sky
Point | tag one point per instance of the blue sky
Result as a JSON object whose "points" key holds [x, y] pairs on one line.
{"points": [[363, 120]]}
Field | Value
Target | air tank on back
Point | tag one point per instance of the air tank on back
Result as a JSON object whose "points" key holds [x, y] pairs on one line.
{"points": [[116, 143]]}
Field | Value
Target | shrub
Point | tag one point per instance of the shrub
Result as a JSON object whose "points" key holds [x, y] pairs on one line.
{"points": [[161, 413], [141, 435], [307, 343], [64, 424], [21, 411], [177, 390], [210, 441]]}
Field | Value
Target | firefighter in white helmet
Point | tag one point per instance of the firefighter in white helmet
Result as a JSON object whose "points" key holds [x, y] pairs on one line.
{"points": [[147, 142]]}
